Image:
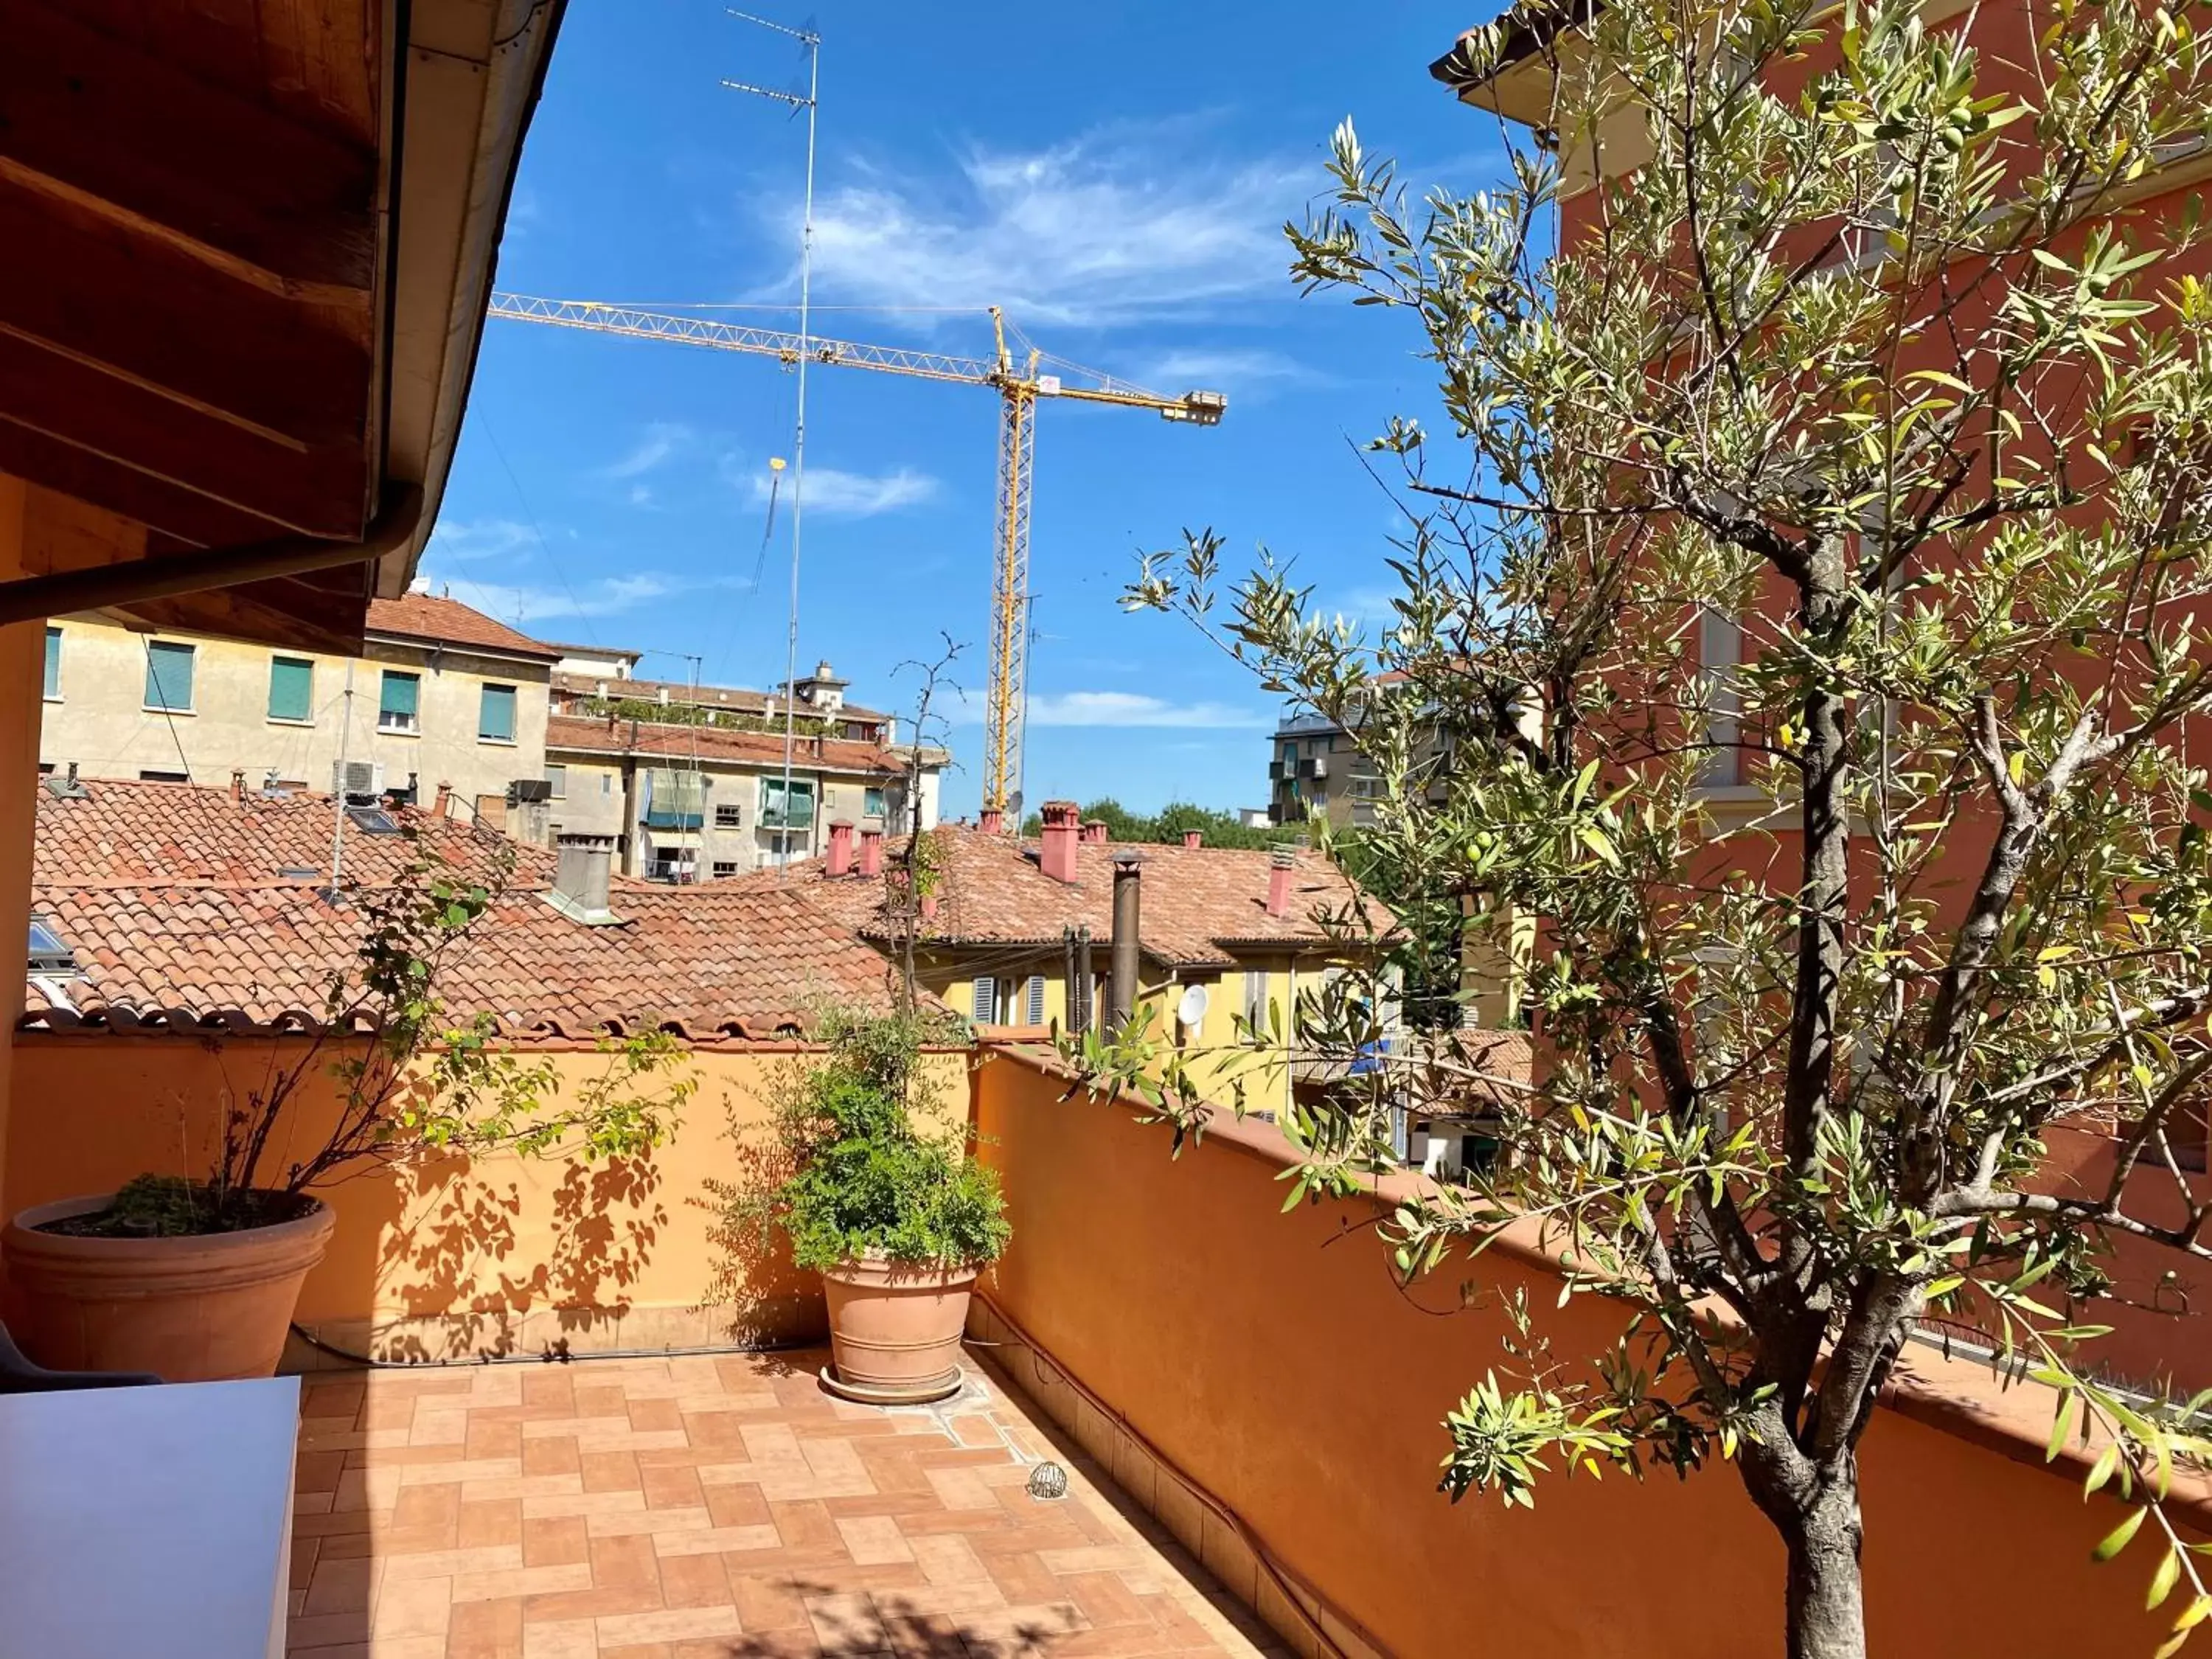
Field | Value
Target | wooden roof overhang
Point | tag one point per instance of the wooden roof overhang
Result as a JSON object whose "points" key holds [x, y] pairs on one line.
{"points": [[245, 247]]}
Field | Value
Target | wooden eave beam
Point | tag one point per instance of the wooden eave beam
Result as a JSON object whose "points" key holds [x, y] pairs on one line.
{"points": [[230, 183]]}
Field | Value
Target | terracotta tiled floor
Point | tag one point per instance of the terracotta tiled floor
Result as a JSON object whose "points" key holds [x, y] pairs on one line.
{"points": [[709, 1508]]}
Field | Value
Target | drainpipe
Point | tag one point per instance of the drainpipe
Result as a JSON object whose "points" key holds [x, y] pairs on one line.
{"points": [[1122, 986], [29, 598]]}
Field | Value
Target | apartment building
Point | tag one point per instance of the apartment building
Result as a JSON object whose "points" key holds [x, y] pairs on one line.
{"points": [[1315, 764], [693, 801], [441, 695], [593, 683]]}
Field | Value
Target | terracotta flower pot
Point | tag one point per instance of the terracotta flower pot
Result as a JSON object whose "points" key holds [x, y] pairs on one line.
{"points": [[895, 1329], [198, 1309]]}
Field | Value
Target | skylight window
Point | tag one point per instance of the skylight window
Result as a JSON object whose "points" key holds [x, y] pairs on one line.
{"points": [[50, 951], [372, 820]]}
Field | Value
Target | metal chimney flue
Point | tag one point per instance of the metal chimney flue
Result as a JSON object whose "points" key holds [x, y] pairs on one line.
{"points": [[583, 877], [1122, 982]]}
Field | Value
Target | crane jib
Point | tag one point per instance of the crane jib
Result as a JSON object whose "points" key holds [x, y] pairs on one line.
{"points": [[1019, 389]]}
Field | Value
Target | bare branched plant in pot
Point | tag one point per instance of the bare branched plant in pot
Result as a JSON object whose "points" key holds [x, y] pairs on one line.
{"points": [[868, 1180], [194, 1278]]}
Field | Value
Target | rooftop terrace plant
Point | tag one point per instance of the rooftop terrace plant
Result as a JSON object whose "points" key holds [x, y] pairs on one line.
{"points": [[864, 1159]]}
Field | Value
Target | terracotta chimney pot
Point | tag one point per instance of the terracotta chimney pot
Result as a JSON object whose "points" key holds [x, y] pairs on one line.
{"points": [[1194, 838], [1094, 833], [1280, 869], [1056, 850], [442, 806], [841, 849], [994, 821], [238, 785], [872, 851]]}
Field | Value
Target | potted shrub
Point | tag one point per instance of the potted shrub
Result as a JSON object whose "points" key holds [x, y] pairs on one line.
{"points": [[870, 1184], [195, 1278]]}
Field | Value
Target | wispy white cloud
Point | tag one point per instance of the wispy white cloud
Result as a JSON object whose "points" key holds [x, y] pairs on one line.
{"points": [[853, 495], [1109, 228], [659, 441], [467, 540], [1132, 708], [519, 604], [1221, 371]]}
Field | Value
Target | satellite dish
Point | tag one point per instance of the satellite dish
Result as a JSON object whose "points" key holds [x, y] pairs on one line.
{"points": [[1191, 1011]]}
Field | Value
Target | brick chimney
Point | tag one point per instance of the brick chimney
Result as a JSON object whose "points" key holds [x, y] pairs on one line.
{"points": [[1280, 869], [993, 822], [1094, 833], [238, 785], [1056, 856], [840, 848], [1194, 838], [872, 851]]}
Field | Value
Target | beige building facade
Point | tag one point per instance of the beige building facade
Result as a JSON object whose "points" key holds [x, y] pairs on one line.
{"points": [[695, 803], [441, 695]]}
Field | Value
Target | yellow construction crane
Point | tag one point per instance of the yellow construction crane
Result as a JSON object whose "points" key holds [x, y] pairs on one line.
{"points": [[1019, 386]]}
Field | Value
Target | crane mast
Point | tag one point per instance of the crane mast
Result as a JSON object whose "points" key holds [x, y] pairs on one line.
{"points": [[1019, 386]]}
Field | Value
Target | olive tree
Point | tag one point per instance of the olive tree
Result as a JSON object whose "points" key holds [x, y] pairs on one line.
{"points": [[1801, 627]]}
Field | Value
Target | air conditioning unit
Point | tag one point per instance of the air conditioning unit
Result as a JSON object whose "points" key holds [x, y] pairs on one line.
{"points": [[528, 789], [357, 780], [1314, 766], [1275, 770]]}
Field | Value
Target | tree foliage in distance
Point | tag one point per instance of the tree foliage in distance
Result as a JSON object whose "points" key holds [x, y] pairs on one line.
{"points": [[1865, 351], [1167, 826]]}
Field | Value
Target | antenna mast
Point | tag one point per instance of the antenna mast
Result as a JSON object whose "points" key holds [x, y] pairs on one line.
{"points": [[812, 42]]}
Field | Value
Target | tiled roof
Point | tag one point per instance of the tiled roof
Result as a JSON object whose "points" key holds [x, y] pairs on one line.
{"points": [[124, 832], [705, 964], [569, 733], [172, 898], [1198, 904], [737, 699], [448, 621]]}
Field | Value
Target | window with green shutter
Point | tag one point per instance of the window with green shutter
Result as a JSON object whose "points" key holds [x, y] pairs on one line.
{"points": [[291, 688], [168, 675], [54, 665], [398, 701], [495, 715], [797, 813]]}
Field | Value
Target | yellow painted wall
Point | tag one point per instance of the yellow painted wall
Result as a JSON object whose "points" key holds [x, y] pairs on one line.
{"points": [[1266, 1078], [447, 1256], [101, 721]]}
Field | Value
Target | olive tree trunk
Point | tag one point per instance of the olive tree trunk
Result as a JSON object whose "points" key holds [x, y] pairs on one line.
{"points": [[1827, 1610], [1816, 1511]]}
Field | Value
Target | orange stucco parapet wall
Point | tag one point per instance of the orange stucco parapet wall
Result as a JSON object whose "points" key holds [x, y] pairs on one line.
{"points": [[447, 1257], [1273, 1361]]}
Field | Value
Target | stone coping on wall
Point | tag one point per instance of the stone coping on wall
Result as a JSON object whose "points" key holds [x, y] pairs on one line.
{"points": [[1972, 1399]]}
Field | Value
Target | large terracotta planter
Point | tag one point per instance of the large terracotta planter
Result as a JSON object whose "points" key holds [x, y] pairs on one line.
{"points": [[199, 1310], [895, 1329]]}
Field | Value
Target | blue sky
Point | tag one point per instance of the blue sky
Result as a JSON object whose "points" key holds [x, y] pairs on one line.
{"points": [[1116, 176]]}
